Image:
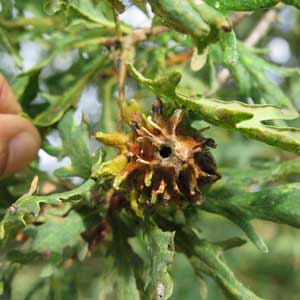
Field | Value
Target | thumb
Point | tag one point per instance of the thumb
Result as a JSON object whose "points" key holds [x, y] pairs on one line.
{"points": [[19, 143]]}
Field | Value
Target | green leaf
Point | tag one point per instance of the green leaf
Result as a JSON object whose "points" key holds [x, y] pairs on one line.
{"points": [[164, 86], [126, 285], [206, 258], [229, 46], [141, 4], [198, 19], [295, 3], [278, 204], [109, 117], [242, 5], [75, 139], [232, 115], [161, 253], [118, 5], [242, 182], [211, 16], [70, 97], [180, 15], [56, 234], [5, 40], [26, 89], [126, 262], [28, 206], [100, 13], [51, 7], [251, 75], [7, 8], [285, 172], [20, 85]]}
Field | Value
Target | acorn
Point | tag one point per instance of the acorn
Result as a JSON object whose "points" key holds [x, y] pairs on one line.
{"points": [[164, 162]]}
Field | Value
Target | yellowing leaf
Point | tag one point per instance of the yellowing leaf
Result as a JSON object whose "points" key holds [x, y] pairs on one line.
{"points": [[111, 168]]}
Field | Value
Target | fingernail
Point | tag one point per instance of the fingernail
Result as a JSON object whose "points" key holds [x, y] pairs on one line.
{"points": [[21, 151]]}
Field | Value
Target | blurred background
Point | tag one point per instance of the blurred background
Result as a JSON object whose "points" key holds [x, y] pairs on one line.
{"points": [[275, 275]]}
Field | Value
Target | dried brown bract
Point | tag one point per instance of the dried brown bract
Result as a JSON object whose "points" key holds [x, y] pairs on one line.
{"points": [[165, 162]]}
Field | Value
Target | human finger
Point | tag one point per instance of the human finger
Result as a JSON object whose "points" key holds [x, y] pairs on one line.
{"points": [[19, 143]]}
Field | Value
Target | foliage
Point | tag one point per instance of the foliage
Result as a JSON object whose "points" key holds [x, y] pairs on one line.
{"points": [[81, 234]]}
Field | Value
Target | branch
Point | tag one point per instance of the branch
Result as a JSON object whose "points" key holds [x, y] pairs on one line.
{"points": [[136, 36]]}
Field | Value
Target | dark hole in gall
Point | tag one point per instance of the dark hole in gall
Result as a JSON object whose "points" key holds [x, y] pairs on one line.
{"points": [[165, 151]]}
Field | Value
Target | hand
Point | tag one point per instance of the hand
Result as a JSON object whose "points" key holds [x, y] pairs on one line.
{"points": [[19, 139]]}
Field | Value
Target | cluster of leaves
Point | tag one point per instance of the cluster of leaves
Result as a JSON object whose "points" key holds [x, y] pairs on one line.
{"points": [[77, 239]]}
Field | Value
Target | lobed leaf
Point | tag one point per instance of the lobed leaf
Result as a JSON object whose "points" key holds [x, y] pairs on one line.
{"points": [[100, 13], [206, 257], [278, 204], [232, 115], [249, 5], [247, 194], [251, 75], [62, 103], [126, 262], [57, 233], [181, 16], [27, 206], [6, 42], [242, 5], [198, 19], [161, 253], [75, 139]]}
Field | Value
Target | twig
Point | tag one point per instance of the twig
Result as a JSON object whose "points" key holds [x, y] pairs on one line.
{"points": [[122, 77], [127, 50], [254, 37], [143, 34], [261, 28], [237, 17], [136, 36], [122, 73]]}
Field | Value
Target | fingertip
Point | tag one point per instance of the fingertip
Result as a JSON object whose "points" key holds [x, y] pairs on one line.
{"points": [[21, 151], [19, 144]]}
